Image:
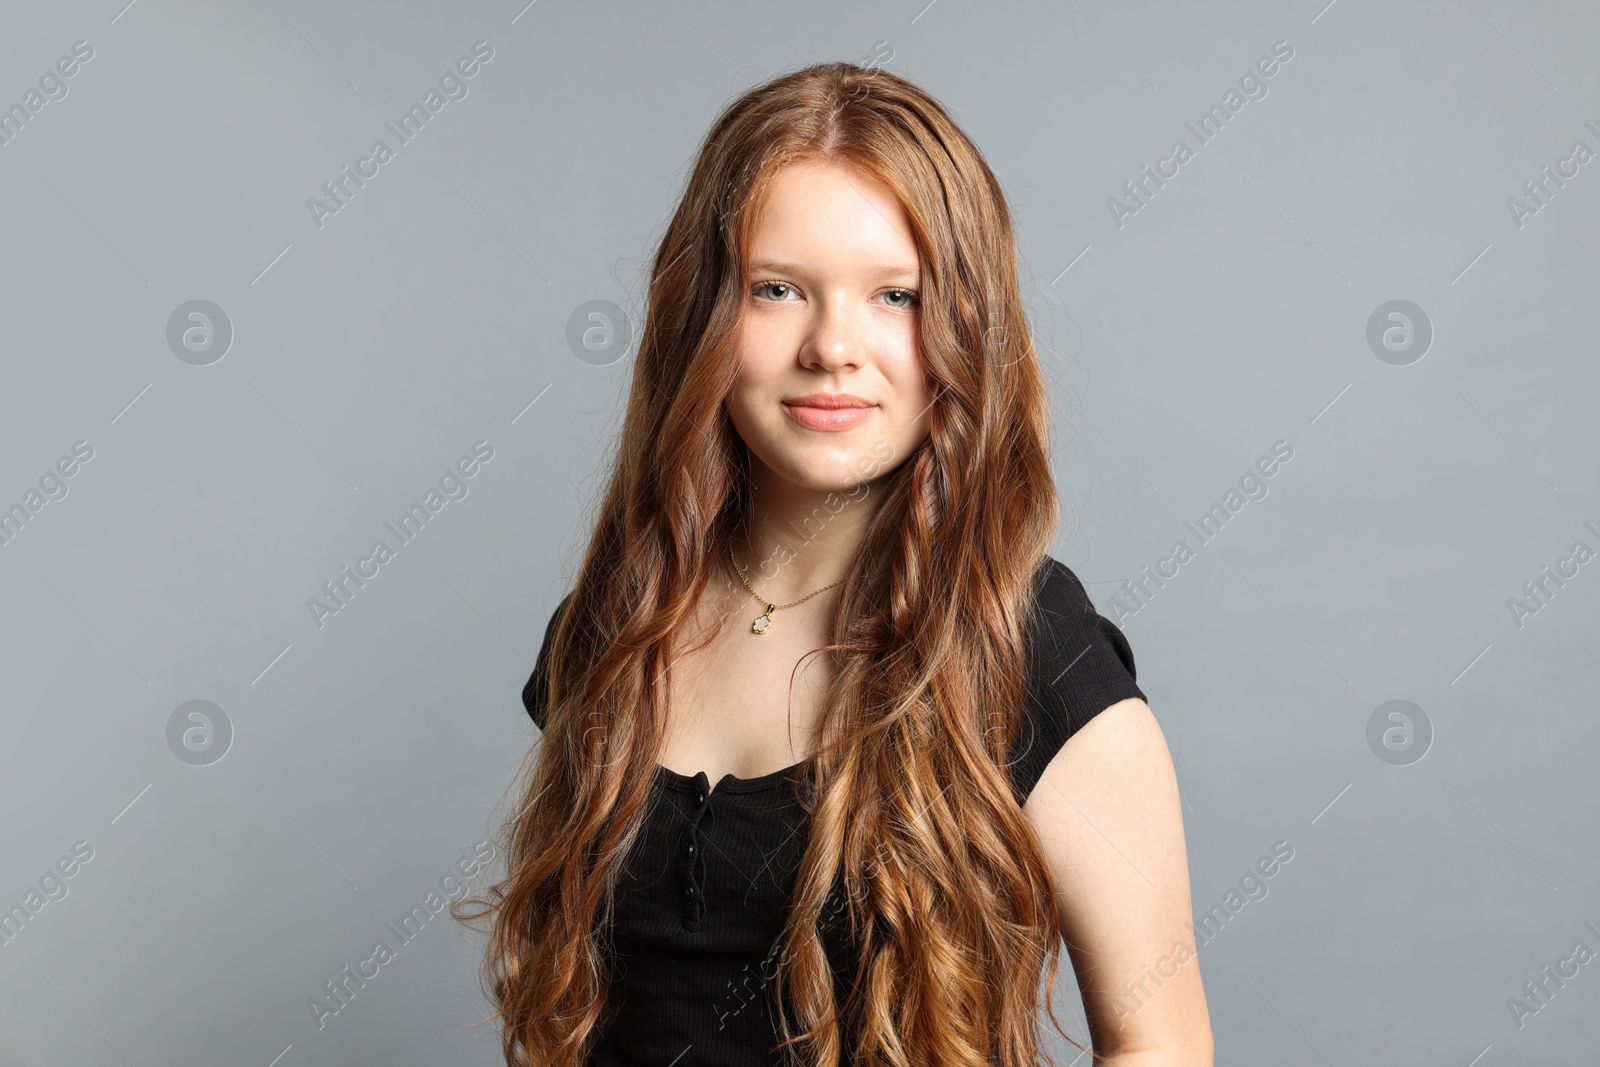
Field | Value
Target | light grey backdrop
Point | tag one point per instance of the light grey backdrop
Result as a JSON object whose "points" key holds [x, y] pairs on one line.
{"points": [[1243, 303]]}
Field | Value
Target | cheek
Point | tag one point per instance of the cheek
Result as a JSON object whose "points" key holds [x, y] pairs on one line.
{"points": [[738, 408], [754, 380], [753, 418], [913, 386], [762, 355]]}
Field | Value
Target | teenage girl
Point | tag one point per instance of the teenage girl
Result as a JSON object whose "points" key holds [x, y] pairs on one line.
{"points": [[835, 755]]}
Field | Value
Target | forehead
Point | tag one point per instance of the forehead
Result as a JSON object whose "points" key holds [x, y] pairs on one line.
{"points": [[830, 217]]}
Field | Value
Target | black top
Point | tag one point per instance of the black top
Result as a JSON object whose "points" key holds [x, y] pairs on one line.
{"points": [[700, 906]]}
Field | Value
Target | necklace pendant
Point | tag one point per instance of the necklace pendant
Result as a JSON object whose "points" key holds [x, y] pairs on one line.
{"points": [[763, 620]]}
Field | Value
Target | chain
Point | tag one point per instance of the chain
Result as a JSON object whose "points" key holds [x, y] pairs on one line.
{"points": [[764, 620]]}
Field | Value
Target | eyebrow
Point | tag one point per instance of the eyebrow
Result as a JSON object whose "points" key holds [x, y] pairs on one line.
{"points": [[876, 270]]}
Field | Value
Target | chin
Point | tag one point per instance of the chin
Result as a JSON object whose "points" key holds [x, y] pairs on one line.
{"points": [[823, 476]]}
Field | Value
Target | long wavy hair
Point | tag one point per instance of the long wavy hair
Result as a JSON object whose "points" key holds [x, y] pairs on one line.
{"points": [[948, 902]]}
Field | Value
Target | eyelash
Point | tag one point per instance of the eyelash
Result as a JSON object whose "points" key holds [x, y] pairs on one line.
{"points": [[916, 298]]}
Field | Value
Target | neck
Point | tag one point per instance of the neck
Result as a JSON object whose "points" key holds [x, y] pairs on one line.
{"points": [[797, 540]]}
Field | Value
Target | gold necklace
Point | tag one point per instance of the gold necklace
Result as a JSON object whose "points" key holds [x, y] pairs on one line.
{"points": [[764, 620]]}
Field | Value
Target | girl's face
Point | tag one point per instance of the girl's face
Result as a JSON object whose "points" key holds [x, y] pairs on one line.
{"points": [[831, 309]]}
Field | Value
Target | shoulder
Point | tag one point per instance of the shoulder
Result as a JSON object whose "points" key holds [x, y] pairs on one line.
{"points": [[536, 691], [1079, 664]]}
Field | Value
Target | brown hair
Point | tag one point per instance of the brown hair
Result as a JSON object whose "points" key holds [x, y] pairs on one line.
{"points": [[951, 907]]}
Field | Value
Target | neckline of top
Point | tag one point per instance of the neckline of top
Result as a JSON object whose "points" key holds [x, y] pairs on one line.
{"points": [[728, 783]]}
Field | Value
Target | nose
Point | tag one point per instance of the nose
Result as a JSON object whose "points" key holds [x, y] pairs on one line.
{"points": [[836, 339]]}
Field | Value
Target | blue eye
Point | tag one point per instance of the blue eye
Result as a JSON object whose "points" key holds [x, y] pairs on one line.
{"points": [[914, 299]]}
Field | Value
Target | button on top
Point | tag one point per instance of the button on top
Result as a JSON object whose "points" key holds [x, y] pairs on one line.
{"points": [[699, 816]]}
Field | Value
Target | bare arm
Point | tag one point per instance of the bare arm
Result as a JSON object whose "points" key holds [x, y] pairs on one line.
{"points": [[1108, 815]]}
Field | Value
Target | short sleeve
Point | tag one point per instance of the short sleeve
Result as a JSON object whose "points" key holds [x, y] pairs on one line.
{"points": [[1079, 664], [536, 692]]}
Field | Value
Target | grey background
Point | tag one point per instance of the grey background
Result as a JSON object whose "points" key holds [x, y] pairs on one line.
{"points": [[431, 312]]}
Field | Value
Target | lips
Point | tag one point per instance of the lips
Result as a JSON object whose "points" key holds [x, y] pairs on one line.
{"points": [[829, 412], [829, 400]]}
